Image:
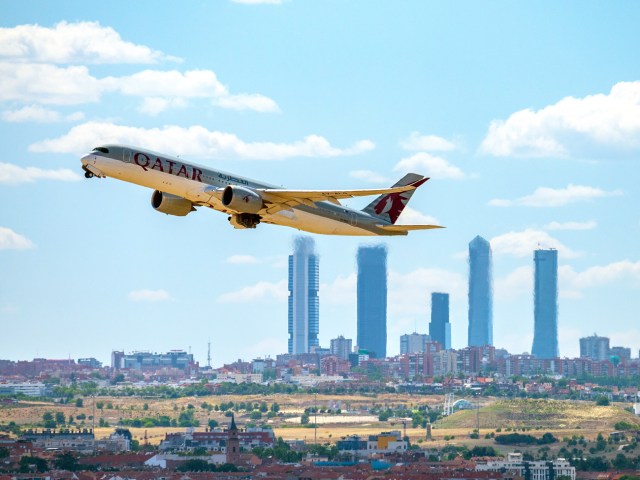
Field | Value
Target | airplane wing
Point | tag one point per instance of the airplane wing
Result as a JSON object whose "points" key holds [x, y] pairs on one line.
{"points": [[289, 198], [407, 228], [277, 199]]}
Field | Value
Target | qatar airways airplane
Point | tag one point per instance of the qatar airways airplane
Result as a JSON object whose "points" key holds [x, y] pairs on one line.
{"points": [[179, 187]]}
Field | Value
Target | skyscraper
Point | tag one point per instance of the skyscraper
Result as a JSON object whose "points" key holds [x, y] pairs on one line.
{"points": [[480, 293], [545, 309], [304, 305], [372, 299], [439, 327]]}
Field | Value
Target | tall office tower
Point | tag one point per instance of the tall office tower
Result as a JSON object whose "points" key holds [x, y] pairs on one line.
{"points": [[372, 299], [545, 309], [304, 305], [595, 347], [341, 347], [480, 293], [439, 327], [414, 343]]}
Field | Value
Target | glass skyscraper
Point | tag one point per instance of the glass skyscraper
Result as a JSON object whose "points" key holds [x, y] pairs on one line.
{"points": [[545, 304], [304, 304], [372, 300], [480, 293], [439, 327]]}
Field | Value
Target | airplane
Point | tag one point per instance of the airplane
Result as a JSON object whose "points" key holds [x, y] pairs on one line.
{"points": [[179, 187]]}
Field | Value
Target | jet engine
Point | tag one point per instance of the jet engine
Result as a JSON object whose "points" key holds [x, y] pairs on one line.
{"points": [[242, 200], [244, 220], [171, 204]]}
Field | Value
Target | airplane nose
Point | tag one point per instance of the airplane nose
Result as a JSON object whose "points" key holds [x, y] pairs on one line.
{"points": [[86, 158]]}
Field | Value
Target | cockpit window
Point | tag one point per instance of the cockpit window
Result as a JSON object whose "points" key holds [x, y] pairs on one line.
{"points": [[101, 149]]}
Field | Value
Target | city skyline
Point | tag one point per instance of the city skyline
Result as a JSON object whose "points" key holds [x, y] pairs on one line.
{"points": [[519, 114]]}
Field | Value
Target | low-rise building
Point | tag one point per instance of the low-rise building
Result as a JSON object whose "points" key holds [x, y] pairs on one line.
{"points": [[385, 442], [534, 470], [216, 440]]}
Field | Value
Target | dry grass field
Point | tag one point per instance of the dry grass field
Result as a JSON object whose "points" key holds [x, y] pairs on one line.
{"points": [[562, 418]]}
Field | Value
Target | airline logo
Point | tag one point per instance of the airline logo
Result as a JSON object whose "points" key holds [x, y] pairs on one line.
{"points": [[168, 166], [392, 205]]}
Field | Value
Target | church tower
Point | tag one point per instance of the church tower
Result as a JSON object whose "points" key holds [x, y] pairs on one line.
{"points": [[233, 443]]}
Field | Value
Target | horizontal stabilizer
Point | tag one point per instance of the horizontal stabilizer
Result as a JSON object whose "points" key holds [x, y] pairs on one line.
{"points": [[407, 228]]}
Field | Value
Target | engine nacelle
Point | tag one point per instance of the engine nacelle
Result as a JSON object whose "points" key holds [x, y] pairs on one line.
{"points": [[171, 204], [244, 220], [240, 199]]}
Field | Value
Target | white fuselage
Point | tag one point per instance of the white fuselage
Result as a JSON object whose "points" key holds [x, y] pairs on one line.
{"points": [[198, 184]]}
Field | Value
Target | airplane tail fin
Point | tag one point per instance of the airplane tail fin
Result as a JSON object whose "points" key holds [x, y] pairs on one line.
{"points": [[388, 207]]}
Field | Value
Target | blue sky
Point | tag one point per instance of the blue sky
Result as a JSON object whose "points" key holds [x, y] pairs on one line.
{"points": [[526, 116]]}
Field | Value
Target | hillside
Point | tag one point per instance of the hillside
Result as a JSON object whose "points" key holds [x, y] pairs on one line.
{"points": [[542, 414]]}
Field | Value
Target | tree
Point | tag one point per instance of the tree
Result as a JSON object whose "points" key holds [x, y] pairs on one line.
{"points": [[304, 419], [66, 461], [212, 423], [49, 422], [79, 403], [602, 401], [31, 464], [195, 465], [4, 452], [60, 418]]}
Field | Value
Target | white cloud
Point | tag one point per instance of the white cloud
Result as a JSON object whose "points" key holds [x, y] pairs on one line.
{"points": [[37, 114], [242, 260], [409, 216], [429, 143], [369, 176], [159, 90], [13, 174], [73, 43], [149, 295], [429, 165], [588, 225], [556, 197], [156, 105], [571, 283], [342, 291], [247, 101], [599, 275], [403, 289], [258, 292], [599, 125], [516, 283], [410, 293], [48, 84], [164, 89], [522, 244], [10, 240], [195, 140]]}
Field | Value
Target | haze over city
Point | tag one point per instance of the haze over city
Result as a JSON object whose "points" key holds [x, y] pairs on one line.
{"points": [[526, 118]]}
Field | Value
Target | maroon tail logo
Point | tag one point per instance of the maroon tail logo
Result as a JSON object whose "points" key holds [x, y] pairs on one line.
{"points": [[392, 205]]}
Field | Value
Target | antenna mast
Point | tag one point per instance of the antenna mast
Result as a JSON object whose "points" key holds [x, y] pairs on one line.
{"points": [[209, 354]]}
